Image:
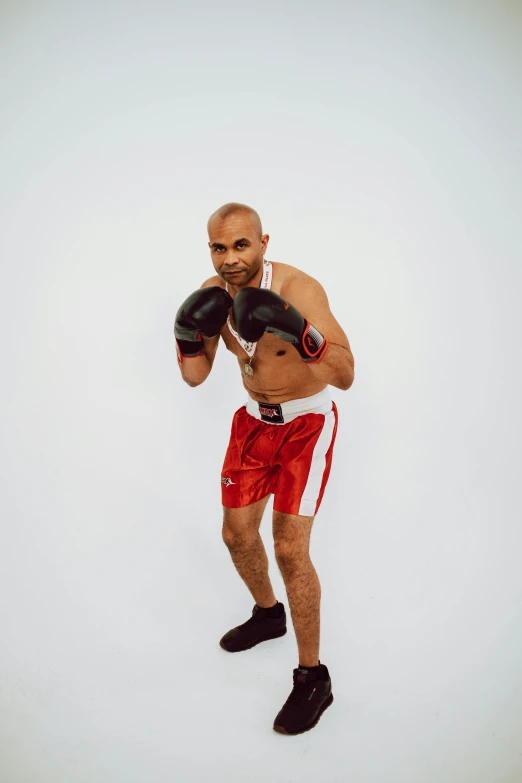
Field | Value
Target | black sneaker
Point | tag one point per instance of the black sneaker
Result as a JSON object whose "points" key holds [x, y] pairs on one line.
{"points": [[310, 697], [258, 628]]}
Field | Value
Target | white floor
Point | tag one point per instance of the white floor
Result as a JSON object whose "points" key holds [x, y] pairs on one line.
{"points": [[113, 670]]}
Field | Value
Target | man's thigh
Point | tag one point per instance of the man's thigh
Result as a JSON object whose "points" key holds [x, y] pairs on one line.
{"points": [[306, 459], [247, 475]]}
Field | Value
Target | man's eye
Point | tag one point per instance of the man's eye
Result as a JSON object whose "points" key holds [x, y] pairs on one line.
{"points": [[241, 244]]}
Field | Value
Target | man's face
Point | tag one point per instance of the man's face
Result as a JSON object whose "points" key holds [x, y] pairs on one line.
{"points": [[236, 248]]}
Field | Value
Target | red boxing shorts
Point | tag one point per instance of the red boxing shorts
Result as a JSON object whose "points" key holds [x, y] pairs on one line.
{"points": [[284, 450]]}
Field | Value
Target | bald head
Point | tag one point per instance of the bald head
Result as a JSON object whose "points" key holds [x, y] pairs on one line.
{"points": [[234, 208], [237, 244]]}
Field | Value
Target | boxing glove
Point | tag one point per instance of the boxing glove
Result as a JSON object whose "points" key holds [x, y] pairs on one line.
{"points": [[259, 310], [201, 315]]}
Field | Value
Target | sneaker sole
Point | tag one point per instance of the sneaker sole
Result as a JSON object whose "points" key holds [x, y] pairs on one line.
{"points": [[267, 639], [325, 706]]}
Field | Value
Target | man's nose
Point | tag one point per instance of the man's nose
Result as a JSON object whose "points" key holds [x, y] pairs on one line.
{"points": [[230, 259]]}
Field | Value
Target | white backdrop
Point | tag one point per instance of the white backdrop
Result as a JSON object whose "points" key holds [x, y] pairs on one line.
{"points": [[381, 147]]}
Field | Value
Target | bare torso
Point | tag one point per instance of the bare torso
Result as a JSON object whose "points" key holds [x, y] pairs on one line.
{"points": [[279, 372]]}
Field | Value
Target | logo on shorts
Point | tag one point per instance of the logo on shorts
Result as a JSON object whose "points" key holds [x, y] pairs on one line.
{"points": [[271, 413], [227, 481]]}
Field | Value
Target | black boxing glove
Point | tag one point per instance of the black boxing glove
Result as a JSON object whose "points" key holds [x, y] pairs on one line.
{"points": [[258, 310], [202, 314]]}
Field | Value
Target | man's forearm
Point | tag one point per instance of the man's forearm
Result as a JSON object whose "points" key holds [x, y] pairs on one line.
{"points": [[335, 368], [195, 370]]}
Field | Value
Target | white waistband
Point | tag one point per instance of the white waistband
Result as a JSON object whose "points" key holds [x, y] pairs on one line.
{"points": [[317, 403]]}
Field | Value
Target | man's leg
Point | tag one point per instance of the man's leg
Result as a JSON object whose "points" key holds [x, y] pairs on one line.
{"points": [[292, 545], [241, 535]]}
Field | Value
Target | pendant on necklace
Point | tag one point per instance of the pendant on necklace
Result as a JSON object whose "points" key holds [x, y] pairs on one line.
{"points": [[247, 369]]}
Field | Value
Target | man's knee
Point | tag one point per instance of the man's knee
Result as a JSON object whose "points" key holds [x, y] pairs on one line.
{"points": [[230, 535], [288, 556], [241, 525], [236, 535], [291, 540]]}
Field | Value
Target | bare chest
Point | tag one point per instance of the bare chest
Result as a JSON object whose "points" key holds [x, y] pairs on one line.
{"points": [[279, 374]]}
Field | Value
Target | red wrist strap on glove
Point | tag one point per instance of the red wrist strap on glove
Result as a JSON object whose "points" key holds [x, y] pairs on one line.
{"points": [[313, 344]]}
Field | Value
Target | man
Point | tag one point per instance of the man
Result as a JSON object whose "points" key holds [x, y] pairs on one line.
{"points": [[276, 320]]}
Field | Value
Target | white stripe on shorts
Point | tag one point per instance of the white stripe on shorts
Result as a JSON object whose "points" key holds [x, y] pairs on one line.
{"points": [[318, 466]]}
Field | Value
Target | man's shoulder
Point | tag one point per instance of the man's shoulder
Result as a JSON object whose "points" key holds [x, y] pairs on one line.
{"points": [[214, 280], [292, 278]]}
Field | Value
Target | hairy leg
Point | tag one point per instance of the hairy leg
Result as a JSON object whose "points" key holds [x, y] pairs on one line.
{"points": [[241, 535], [292, 545]]}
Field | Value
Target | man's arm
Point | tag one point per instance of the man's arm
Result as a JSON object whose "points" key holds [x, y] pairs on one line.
{"points": [[337, 366], [195, 370]]}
